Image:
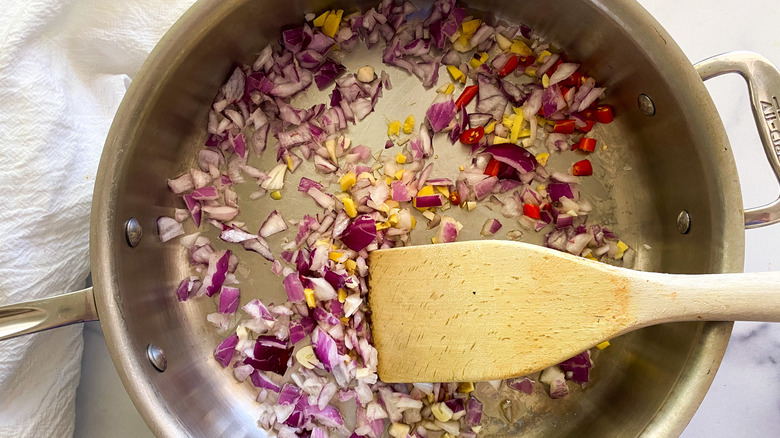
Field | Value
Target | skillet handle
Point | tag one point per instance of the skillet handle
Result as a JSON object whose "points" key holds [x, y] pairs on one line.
{"points": [[763, 80], [47, 313]]}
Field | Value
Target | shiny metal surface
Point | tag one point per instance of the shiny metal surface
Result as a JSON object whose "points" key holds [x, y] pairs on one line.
{"points": [[684, 222], [646, 105], [157, 357], [649, 383], [47, 313], [133, 232], [763, 81]]}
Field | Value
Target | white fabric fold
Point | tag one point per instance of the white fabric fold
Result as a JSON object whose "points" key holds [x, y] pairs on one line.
{"points": [[64, 67]]}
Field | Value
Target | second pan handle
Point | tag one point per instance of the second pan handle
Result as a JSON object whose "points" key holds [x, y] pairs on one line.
{"points": [[763, 81]]}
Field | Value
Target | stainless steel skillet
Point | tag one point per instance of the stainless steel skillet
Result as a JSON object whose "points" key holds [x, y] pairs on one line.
{"points": [[649, 382]]}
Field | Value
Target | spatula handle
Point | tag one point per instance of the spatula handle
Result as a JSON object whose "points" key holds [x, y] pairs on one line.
{"points": [[722, 297]]}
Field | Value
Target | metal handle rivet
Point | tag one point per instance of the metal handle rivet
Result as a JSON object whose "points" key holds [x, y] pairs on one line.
{"points": [[646, 105], [157, 357], [133, 232], [683, 222]]}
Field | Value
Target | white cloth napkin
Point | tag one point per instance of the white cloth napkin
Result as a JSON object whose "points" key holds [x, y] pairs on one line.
{"points": [[64, 67]]}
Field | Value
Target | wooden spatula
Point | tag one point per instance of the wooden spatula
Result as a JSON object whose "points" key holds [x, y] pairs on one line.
{"points": [[489, 309]]}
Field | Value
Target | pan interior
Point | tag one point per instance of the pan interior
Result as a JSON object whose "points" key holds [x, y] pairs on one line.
{"points": [[654, 167]]}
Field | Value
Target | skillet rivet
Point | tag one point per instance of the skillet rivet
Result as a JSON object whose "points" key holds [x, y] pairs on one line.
{"points": [[683, 222], [133, 232], [157, 357], [646, 105]]}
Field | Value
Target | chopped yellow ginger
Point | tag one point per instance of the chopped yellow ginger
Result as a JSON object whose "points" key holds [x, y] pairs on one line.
{"points": [[465, 387], [622, 247], [393, 220], [490, 127], [409, 124], [545, 81], [514, 131], [400, 158], [478, 59], [332, 23], [393, 128], [520, 48], [500, 140], [426, 191], [349, 207], [543, 57], [351, 265], [289, 163], [335, 256], [444, 191], [319, 21], [542, 158], [446, 89], [367, 176], [347, 181], [399, 174], [456, 74], [603, 345], [309, 294], [471, 26], [503, 42]]}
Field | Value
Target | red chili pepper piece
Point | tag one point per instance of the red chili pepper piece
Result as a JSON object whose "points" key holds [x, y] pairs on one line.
{"points": [[510, 66], [589, 114], [455, 197], [531, 211], [472, 136], [604, 114], [588, 126], [525, 61], [582, 168], [555, 66], [467, 96], [575, 80], [564, 126], [492, 167], [588, 144]]}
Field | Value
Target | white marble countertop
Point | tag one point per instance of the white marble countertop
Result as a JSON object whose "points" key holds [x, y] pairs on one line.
{"points": [[745, 397]]}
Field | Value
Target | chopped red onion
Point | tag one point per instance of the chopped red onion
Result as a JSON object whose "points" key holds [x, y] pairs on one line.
{"points": [[224, 351], [441, 112], [473, 412], [563, 72], [325, 349], [428, 201], [181, 184], [261, 380], [168, 228], [221, 213], [228, 299], [556, 379], [524, 384], [360, 233], [578, 367], [270, 355], [273, 224], [236, 235], [491, 227], [294, 287]]}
